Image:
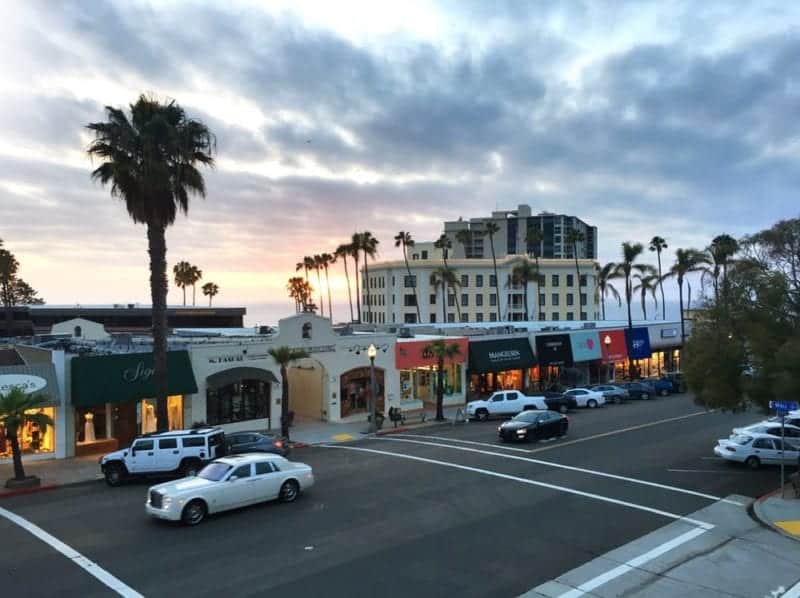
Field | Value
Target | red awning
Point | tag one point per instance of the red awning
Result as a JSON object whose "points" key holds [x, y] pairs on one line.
{"points": [[613, 345], [412, 354]]}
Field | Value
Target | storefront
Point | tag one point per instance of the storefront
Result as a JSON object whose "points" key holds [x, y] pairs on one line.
{"points": [[37, 380], [499, 364], [419, 376], [554, 358], [112, 398], [614, 350]]}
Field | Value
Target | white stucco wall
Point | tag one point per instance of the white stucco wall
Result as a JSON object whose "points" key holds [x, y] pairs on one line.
{"points": [[90, 330]]}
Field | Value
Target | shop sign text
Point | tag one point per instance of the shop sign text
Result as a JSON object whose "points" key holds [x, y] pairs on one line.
{"points": [[24, 382], [141, 373], [226, 359], [507, 355]]}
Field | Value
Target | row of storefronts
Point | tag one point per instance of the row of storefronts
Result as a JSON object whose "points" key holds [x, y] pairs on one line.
{"points": [[103, 398]]}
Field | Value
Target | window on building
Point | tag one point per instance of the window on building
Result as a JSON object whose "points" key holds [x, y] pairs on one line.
{"points": [[554, 280], [451, 317], [479, 317], [433, 299], [492, 280], [570, 315], [424, 254], [554, 300], [393, 303], [583, 280], [583, 316], [414, 256], [239, 401], [464, 300], [555, 316], [393, 280], [493, 299], [570, 299], [570, 280], [493, 317], [451, 300], [465, 317], [409, 282], [479, 280], [541, 315], [542, 299], [410, 300], [408, 318], [464, 280], [479, 300], [432, 318], [583, 298]]}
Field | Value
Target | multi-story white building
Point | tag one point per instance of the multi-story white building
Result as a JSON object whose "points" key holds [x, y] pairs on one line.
{"points": [[389, 294]]}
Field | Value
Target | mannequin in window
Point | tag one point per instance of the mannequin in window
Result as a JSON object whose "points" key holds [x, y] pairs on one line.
{"points": [[88, 428], [148, 419]]}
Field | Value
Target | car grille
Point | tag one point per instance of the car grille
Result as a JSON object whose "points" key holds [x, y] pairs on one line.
{"points": [[155, 499]]}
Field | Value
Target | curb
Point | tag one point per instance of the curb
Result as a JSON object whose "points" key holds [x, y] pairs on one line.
{"points": [[766, 521], [24, 491]]}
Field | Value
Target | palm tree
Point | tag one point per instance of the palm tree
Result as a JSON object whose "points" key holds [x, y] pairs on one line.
{"points": [[355, 249], [342, 251], [151, 163], [604, 286], [301, 291], [441, 350], [403, 239], [210, 290], [16, 410], [722, 249], [524, 272], [283, 356], [306, 264], [195, 275], [444, 244], [317, 267], [647, 283], [326, 259], [658, 244], [491, 229], [574, 236], [464, 237], [443, 278], [534, 239], [183, 277], [686, 261], [625, 269], [369, 245]]}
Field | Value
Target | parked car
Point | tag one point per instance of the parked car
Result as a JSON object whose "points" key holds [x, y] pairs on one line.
{"points": [[768, 427], [612, 393], [587, 398], [532, 425], [557, 401], [254, 442], [792, 418], [504, 402], [638, 390], [660, 386], [757, 449], [229, 483], [181, 452]]}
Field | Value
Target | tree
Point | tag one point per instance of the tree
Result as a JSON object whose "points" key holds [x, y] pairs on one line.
{"points": [[210, 290], [369, 245], [317, 267], [658, 244], [686, 261], [182, 272], [306, 264], [491, 229], [13, 290], [533, 242], [301, 291], [464, 237], [648, 283], [355, 250], [403, 239], [604, 286], [326, 259], [441, 350], [574, 236], [283, 356], [342, 252], [151, 162], [525, 272], [195, 275], [16, 410], [626, 268], [444, 244], [442, 278], [722, 249]]}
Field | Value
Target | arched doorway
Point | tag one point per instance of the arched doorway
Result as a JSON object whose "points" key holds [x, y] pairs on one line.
{"points": [[307, 389], [239, 395], [355, 388]]}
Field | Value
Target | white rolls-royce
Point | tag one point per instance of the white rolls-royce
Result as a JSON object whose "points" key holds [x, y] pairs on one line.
{"points": [[229, 483]]}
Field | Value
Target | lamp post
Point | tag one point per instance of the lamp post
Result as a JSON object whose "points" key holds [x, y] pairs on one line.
{"points": [[372, 351], [607, 343]]}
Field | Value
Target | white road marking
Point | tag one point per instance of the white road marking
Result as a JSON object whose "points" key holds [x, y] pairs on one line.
{"points": [[405, 438], [76, 557], [634, 563], [702, 471], [513, 478], [793, 592]]}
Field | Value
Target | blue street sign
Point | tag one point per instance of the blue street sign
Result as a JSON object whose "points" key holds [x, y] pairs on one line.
{"points": [[783, 405]]}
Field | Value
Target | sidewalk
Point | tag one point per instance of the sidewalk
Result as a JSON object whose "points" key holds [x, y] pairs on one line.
{"points": [[781, 514]]}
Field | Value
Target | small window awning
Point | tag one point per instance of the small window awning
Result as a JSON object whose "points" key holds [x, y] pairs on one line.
{"points": [[235, 375]]}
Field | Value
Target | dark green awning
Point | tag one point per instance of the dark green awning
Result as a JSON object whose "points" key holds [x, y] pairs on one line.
{"points": [[500, 355], [128, 377]]}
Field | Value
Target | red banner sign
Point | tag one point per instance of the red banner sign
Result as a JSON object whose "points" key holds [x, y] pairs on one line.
{"points": [[613, 345], [413, 354]]}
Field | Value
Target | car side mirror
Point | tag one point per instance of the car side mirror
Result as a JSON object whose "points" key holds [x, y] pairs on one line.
{"points": [[133, 452], [233, 478]]}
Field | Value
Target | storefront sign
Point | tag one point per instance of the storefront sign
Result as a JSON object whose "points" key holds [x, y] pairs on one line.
{"points": [[614, 346], [500, 355], [669, 333], [415, 354], [316, 349], [585, 345], [38, 379], [638, 343], [554, 349], [225, 358], [27, 384]]}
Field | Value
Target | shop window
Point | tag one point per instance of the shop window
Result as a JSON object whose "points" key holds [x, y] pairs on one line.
{"points": [[90, 424], [32, 439], [240, 401], [355, 390]]}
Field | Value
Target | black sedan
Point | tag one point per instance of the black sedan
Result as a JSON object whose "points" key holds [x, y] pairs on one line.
{"points": [[639, 390], [560, 402], [533, 425], [254, 442]]}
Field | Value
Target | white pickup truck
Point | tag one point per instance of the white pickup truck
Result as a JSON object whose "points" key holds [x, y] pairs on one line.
{"points": [[504, 402]]}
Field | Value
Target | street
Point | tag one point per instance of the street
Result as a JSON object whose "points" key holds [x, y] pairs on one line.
{"points": [[444, 510]]}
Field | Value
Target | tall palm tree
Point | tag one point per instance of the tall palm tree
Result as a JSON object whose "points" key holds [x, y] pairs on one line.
{"points": [[355, 253], [491, 229], [16, 410], [342, 252], [195, 275], [722, 249], [441, 350], [151, 163], [444, 244], [442, 278], [306, 265], [574, 236], [283, 356], [648, 283], [210, 290], [626, 268], [182, 272], [604, 286], [464, 237], [326, 260], [524, 272], [369, 245], [686, 261], [317, 267], [534, 239], [658, 244], [403, 239]]}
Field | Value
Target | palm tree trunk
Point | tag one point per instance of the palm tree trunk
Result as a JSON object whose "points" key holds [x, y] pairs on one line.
{"points": [[321, 296], [328, 283], [603, 303], [526, 300], [680, 298], [496, 281], [661, 284], [349, 294], [444, 302], [440, 390], [19, 471], [157, 247], [358, 289], [644, 307], [408, 269], [284, 403], [457, 302], [366, 279], [194, 295], [183, 288], [628, 299], [209, 300]]}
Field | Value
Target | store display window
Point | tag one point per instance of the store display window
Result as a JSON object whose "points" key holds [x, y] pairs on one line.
{"points": [[33, 440]]}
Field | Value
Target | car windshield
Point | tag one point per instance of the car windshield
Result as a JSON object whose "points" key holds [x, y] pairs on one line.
{"points": [[741, 439], [526, 416], [214, 472]]}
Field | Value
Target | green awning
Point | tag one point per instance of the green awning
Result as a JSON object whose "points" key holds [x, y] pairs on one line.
{"points": [[127, 377]]}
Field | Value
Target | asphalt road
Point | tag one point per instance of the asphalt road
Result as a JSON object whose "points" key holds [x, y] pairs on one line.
{"points": [[440, 511]]}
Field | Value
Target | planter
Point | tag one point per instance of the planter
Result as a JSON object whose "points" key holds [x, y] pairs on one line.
{"points": [[30, 481]]}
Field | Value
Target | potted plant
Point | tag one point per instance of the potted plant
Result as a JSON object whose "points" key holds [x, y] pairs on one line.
{"points": [[15, 411]]}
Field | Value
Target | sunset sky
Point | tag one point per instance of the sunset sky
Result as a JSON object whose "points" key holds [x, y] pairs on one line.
{"points": [[679, 119]]}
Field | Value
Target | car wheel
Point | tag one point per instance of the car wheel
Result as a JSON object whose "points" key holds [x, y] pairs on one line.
{"points": [[115, 474], [562, 430], [664, 392], [194, 512], [617, 400], [190, 469], [645, 396], [289, 491], [563, 408], [591, 403], [482, 415], [753, 462]]}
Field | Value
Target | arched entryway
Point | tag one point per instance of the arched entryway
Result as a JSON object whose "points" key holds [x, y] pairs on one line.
{"points": [[239, 395], [355, 388], [307, 389]]}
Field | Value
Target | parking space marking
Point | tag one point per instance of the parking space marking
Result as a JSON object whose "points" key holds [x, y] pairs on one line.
{"points": [[394, 438], [702, 471], [76, 557], [488, 472]]}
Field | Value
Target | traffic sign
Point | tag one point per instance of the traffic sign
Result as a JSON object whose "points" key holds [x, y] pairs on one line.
{"points": [[783, 405]]}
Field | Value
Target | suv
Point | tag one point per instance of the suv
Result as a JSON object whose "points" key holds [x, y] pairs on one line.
{"points": [[184, 452]]}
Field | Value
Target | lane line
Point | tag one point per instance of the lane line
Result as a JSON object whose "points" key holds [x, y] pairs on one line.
{"points": [[702, 471], [793, 592], [530, 482], [634, 563], [76, 557], [394, 438]]}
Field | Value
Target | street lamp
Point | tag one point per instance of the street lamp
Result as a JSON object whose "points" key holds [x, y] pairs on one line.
{"points": [[372, 352], [607, 343]]}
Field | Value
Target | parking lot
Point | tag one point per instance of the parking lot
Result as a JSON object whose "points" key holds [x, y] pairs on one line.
{"points": [[440, 510]]}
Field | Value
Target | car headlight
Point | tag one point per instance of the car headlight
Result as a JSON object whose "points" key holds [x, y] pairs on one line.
{"points": [[522, 432], [166, 501]]}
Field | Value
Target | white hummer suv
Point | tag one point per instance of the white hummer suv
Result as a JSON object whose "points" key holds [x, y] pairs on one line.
{"points": [[184, 452]]}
